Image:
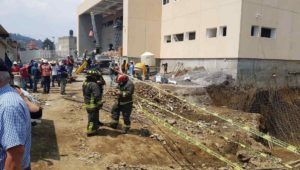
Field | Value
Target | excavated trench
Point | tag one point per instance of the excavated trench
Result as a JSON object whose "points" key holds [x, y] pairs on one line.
{"points": [[280, 108]]}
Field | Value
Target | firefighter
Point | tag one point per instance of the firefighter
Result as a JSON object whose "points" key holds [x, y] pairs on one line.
{"points": [[124, 102], [93, 99]]}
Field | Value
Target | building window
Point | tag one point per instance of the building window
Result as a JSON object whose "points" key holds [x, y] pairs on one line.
{"points": [[168, 39], [178, 37], [223, 31], [255, 31], [191, 35], [211, 32], [165, 2], [268, 32]]}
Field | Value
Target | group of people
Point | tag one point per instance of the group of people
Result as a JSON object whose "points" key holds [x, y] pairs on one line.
{"points": [[16, 106], [19, 110], [28, 76], [126, 68]]}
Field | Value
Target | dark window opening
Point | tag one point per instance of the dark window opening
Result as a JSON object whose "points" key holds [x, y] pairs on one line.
{"points": [[165, 2], [268, 32], [223, 31], [192, 35], [254, 31], [178, 37]]}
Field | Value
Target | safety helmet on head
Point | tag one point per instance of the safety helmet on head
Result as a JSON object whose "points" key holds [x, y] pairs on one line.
{"points": [[122, 78]]}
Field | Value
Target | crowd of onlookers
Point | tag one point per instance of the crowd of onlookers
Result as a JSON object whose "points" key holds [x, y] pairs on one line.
{"points": [[28, 76], [19, 110]]}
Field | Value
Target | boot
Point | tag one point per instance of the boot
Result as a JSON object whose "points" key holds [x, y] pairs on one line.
{"points": [[92, 129]]}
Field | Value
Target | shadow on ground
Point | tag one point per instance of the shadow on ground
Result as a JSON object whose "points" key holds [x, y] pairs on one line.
{"points": [[44, 143], [105, 131]]}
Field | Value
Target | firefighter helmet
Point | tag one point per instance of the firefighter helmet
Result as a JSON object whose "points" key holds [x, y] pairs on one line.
{"points": [[122, 78]]}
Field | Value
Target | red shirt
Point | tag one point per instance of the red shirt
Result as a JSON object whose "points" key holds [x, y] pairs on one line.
{"points": [[15, 69], [46, 70], [24, 72]]}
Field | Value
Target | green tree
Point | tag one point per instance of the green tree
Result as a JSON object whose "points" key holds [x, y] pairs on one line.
{"points": [[48, 45]]}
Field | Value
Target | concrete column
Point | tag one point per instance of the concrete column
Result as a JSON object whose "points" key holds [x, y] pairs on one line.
{"points": [[84, 27]]}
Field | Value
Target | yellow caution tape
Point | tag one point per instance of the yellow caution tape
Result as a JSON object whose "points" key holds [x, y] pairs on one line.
{"points": [[214, 132], [269, 138], [191, 140]]}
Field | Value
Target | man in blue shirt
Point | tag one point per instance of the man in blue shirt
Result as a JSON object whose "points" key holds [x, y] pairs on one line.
{"points": [[15, 126]]}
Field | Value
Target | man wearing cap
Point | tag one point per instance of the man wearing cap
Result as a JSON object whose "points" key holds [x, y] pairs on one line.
{"points": [[15, 126], [15, 69]]}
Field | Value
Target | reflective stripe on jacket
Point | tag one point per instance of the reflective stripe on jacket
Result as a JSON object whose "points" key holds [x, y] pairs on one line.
{"points": [[92, 95]]}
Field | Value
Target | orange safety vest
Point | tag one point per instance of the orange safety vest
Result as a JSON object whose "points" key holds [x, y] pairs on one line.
{"points": [[46, 70]]}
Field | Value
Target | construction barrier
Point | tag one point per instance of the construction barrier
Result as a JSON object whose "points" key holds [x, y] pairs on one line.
{"points": [[267, 137], [190, 139], [267, 156]]}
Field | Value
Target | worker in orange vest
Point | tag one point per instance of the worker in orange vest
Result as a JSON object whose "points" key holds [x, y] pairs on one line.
{"points": [[46, 74]]}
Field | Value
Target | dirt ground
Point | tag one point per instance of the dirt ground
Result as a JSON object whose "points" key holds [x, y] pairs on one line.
{"points": [[60, 142]]}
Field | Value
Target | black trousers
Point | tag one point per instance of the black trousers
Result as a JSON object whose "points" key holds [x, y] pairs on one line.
{"points": [[126, 113], [46, 84], [93, 116]]}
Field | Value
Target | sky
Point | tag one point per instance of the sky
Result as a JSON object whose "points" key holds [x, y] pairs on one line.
{"points": [[39, 19]]}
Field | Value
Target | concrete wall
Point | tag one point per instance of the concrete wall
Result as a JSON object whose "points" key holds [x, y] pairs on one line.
{"points": [[284, 16], [142, 27], [228, 66], [199, 15], [259, 73], [268, 73]]}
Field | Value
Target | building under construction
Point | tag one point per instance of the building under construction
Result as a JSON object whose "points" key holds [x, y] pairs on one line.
{"points": [[254, 41]]}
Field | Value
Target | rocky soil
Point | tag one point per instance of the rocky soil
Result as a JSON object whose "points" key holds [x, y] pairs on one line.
{"points": [[60, 141]]}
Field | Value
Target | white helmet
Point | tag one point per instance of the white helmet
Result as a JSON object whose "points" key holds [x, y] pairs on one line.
{"points": [[14, 63]]}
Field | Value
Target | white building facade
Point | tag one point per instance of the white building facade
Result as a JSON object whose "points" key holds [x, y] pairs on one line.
{"points": [[255, 41]]}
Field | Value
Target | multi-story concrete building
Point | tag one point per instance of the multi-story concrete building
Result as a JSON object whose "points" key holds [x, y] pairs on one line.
{"points": [[67, 45], [255, 41]]}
